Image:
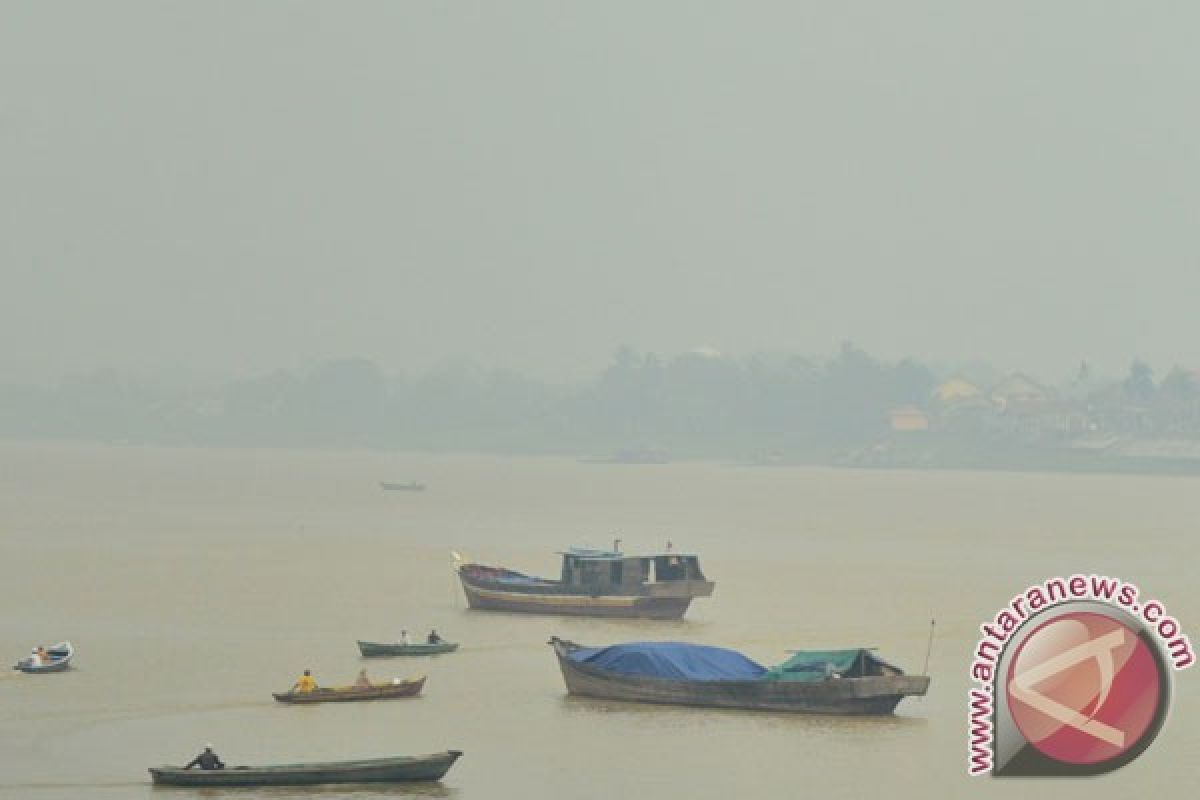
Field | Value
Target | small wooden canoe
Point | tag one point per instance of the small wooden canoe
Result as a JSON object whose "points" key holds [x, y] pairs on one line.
{"points": [[345, 694], [398, 769], [378, 649], [60, 660]]}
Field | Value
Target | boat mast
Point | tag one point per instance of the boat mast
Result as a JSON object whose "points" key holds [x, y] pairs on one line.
{"points": [[929, 648]]}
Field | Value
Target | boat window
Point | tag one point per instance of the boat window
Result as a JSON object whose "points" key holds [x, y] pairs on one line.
{"points": [[669, 568], [677, 568], [616, 571], [590, 572]]}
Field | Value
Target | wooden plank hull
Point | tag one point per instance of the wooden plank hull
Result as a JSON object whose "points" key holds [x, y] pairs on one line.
{"points": [[401, 769], [870, 695], [346, 694], [580, 605], [379, 649]]}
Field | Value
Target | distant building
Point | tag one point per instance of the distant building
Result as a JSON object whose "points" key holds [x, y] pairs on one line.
{"points": [[908, 418], [961, 407], [957, 390], [1019, 392]]}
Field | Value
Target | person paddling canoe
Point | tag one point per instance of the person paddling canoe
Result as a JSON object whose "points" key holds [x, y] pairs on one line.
{"points": [[206, 760], [305, 683]]}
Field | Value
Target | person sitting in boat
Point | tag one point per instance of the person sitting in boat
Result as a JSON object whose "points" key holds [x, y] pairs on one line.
{"points": [[35, 657], [305, 683], [206, 760], [362, 681], [433, 637], [404, 640]]}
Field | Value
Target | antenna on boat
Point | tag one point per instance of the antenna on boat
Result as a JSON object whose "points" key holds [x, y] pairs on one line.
{"points": [[929, 648]]}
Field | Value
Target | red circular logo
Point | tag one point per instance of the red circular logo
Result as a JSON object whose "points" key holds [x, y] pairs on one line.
{"points": [[1084, 688]]}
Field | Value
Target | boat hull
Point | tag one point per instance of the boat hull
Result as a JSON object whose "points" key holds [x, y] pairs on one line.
{"points": [[381, 770], [854, 696], [58, 666], [539, 600], [349, 694], [381, 649]]}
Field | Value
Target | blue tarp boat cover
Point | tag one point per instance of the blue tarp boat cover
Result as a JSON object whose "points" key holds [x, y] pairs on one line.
{"points": [[676, 660]]}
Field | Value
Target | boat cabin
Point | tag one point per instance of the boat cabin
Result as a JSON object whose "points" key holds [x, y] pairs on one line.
{"points": [[593, 569]]}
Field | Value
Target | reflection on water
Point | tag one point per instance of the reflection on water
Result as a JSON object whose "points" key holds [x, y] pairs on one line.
{"points": [[193, 583]]}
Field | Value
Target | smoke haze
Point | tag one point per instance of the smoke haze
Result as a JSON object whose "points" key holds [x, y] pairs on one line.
{"points": [[229, 188]]}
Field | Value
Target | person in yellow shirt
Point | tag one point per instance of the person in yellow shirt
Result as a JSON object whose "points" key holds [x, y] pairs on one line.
{"points": [[305, 683]]}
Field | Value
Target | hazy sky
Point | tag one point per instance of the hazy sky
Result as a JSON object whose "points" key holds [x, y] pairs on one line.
{"points": [[239, 186]]}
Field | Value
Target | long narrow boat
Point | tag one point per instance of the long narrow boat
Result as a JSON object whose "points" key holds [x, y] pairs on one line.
{"points": [[412, 486], [825, 682], [377, 649], [344, 694], [594, 583], [398, 769], [60, 660]]}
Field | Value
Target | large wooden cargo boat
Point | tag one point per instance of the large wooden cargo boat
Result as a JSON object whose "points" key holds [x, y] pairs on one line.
{"points": [[823, 682], [399, 769], [594, 583]]}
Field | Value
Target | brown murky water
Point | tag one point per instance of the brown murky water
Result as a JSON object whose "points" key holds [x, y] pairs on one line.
{"points": [[194, 582]]}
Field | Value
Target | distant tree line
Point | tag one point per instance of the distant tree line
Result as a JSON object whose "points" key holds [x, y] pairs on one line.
{"points": [[694, 404]]}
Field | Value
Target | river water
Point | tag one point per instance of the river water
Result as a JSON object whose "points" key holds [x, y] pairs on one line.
{"points": [[193, 582]]}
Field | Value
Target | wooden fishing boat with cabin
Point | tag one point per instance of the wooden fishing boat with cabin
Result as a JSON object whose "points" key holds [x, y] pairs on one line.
{"points": [[854, 681], [397, 769], [593, 583], [344, 694]]}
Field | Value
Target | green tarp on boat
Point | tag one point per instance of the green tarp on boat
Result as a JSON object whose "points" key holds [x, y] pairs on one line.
{"points": [[820, 665]]}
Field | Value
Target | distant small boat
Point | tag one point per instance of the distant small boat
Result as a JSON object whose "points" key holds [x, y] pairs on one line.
{"points": [[852, 681], [377, 649], [642, 455], [411, 486], [60, 660], [398, 769], [343, 694]]}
